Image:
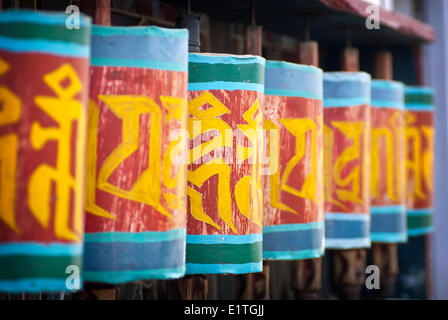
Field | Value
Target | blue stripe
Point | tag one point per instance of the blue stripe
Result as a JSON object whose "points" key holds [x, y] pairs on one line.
{"points": [[420, 231], [395, 223], [116, 277], [387, 94], [112, 62], [347, 243], [291, 93], [387, 209], [345, 102], [127, 256], [35, 285], [138, 237], [273, 64], [419, 212], [198, 268], [44, 46], [294, 240], [293, 227], [347, 216], [145, 48], [346, 230], [293, 255], [346, 88], [225, 59], [387, 104], [390, 237], [152, 31], [418, 90], [224, 238], [294, 82], [387, 85], [40, 17], [419, 107], [224, 85], [35, 248]]}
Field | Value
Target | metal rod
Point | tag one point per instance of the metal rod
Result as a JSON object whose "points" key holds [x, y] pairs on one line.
{"points": [[252, 13]]}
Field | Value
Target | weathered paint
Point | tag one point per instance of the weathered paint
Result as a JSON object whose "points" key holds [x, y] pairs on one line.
{"points": [[293, 182], [387, 174], [43, 92], [419, 148], [346, 159], [135, 176], [224, 211]]}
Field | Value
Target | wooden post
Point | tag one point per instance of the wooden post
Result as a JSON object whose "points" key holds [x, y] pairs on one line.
{"points": [[99, 10], [385, 255], [188, 288], [349, 265], [309, 53], [350, 59], [102, 12]]}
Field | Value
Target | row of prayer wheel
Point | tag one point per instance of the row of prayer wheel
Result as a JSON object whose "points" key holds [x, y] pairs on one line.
{"points": [[125, 156]]}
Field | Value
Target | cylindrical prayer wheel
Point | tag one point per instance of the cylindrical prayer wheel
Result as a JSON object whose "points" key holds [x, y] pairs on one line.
{"points": [[387, 170], [346, 159], [43, 91], [225, 204], [293, 184], [419, 149], [136, 176]]}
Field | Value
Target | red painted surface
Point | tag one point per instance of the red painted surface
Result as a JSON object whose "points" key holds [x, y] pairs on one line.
{"points": [[238, 102], [35, 66], [426, 154], [308, 210], [333, 202], [392, 120], [133, 215]]}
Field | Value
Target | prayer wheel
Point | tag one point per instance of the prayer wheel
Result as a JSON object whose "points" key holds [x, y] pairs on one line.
{"points": [[43, 91], [225, 204], [136, 174], [387, 174], [293, 184], [419, 149], [346, 159]]}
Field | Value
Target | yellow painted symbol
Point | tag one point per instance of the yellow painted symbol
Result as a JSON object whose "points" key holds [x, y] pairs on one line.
{"points": [[205, 110], [9, 114], [414, 161], [64, 110], [356, 132], [147, 188]]}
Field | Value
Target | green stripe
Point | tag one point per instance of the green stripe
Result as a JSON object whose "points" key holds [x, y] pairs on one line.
{"points": [[224, 253], [21, 266], [419, 99], [48, 32], [419, 221], [207, 72]]}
